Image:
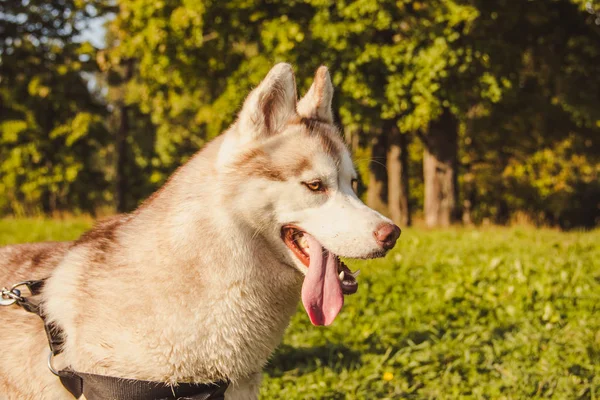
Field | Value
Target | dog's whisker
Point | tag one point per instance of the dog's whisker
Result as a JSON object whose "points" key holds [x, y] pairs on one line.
{"points": [[259, 230]]}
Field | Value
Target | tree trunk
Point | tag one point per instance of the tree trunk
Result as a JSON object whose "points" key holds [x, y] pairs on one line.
{"points": [[439, 169], [397, 169], [377, 191], [468, 177], [121, 142]]}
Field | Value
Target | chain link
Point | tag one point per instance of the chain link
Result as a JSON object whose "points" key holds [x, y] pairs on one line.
{"points": [[12, 295]]}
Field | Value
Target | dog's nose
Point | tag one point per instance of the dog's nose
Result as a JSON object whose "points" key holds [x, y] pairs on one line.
{"points": [[386, 235]]}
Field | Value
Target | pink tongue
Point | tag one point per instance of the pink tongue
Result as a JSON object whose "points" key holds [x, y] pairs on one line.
{"points": [[321, 291]]}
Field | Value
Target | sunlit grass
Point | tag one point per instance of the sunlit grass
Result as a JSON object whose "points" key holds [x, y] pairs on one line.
{"points": [[40, 230], [494, 313]]}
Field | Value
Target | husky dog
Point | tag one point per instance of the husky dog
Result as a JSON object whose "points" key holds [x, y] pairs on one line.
{"points": [[199, 283]]}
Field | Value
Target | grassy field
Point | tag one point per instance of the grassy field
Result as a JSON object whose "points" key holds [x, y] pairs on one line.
{"points": [[498, 313]]}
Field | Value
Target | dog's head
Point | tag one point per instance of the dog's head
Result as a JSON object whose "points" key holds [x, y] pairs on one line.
{"points": [[295, 186]]}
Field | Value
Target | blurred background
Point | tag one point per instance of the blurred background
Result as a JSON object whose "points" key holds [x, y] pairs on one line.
{"points": [[461, 114], [472, 112]]}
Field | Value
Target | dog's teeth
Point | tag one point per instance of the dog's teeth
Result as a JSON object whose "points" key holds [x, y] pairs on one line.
{"points": [[355, 273], [341, 276]]}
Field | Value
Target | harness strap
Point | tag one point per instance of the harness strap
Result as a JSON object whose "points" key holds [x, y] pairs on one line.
{"points": [[97, 387], [101, 387], [53, 333]]}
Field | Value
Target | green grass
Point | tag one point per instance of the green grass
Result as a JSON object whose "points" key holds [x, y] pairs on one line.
{"points": [[494, 313], [39, 230]]}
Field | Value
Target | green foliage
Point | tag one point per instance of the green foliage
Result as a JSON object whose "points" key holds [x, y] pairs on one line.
{"points": [[536, 149], [405, 61], [52, 132], [561, 180], [184, 53], [522, 79], [482, 314]]}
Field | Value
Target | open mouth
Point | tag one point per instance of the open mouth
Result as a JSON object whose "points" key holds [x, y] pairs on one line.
{"points": [[296, 240], [327, 280]]}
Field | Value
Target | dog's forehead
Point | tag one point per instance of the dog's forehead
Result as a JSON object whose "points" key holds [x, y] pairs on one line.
{"points": [[301, 148], [322, 138]]}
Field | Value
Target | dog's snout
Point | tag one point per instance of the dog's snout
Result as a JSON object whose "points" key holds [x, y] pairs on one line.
{"points": [[386, 235]]}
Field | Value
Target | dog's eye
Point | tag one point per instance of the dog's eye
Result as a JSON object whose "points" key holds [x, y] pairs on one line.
{"points": [[354, 183], [315, 186]]}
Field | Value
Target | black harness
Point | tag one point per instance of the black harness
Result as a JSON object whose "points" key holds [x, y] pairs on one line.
{"points": [[101, 387]]}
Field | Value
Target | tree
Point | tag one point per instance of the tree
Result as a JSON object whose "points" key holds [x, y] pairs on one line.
{"points": [[398, 176], [51, 124], [121, 143], [195, 61], [377, 195], [458, 75], [536, 151]]}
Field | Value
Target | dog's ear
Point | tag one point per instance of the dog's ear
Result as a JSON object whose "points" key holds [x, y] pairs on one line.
{"points": [[316, 103], [269, 107]]}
